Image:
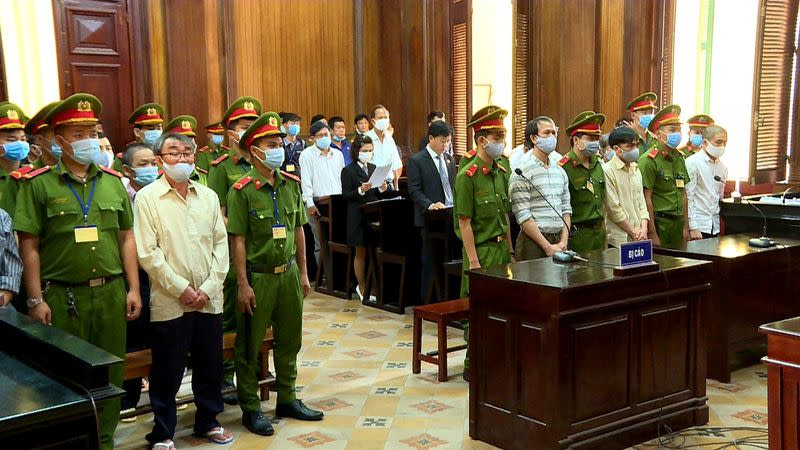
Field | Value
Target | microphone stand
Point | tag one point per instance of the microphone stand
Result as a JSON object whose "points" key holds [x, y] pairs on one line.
{"points": [[759, 242]]}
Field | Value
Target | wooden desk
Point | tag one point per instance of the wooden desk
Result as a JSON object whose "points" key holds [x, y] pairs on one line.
{"points": [[782, 220], [751, 286], [569, 356], [783, 362]]}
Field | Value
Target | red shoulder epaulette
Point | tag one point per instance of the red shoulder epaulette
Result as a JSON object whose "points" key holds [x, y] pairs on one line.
{"points": [[485, 170], [36, 172], [471, 153], [289, 175], [563, 161], [220, 159], [225, 147], [471, 171], [242, 183], [160, 172], [653, 153], [119, 155], [19, 173], [503, 168], [111, 171], [201, 170], [202, 149]]}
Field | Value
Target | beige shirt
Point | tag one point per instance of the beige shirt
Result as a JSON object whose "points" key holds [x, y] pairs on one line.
{"points": [[180, 243], [624, 199]]}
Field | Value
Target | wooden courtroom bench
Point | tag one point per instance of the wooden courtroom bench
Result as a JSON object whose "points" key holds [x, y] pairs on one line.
{"points": [[440, 313], [138, 364]]}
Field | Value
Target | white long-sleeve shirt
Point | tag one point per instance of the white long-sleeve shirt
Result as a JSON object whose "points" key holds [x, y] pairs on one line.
{"points": [[322, 174], [703, 192]]}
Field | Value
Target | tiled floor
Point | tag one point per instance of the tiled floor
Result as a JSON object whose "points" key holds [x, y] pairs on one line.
{"points": [[355, 365]]}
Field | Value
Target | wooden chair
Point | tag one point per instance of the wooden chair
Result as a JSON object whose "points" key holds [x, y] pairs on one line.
{"points": [[441, 314]]}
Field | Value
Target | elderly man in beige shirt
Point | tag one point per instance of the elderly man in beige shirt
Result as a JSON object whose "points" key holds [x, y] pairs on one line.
{"points": [[626, 210], [182, 244]]}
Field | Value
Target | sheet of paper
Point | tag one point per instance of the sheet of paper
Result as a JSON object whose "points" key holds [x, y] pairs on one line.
{"points": [[380, 175]]}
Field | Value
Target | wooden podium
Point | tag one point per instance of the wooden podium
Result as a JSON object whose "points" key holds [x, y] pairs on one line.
{"points": [[569, 356], [783, 361], [751, 286]]}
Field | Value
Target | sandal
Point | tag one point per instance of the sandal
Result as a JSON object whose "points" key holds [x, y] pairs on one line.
{"points": [[164, 445], [217, 435]]}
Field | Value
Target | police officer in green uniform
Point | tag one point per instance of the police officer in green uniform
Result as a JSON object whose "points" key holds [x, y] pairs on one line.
{"points": [[49, 152], [74, 222], [587, 185], [215, 134], [225, 171], [148, 122], [697, 125], [480, 204], [186, 125], [265, 219], [642, 109], [664, 177], [13, 149]]}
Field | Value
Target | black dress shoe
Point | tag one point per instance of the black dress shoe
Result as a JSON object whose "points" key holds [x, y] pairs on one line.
{"points": [[257, 423], [231, 398], [297, 410]]}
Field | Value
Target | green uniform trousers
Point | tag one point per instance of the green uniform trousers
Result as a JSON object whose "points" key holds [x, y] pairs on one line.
{"points": [[489, 254], [230, 301], [670, 230], [279, 303], [589, 237], [100, 321]]}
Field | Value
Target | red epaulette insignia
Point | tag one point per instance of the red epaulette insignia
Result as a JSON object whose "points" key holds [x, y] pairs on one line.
{"points": [[201, 170], [471, 171], [160, 172], [289, 175], [220, 159], [653, 153], [225, 147], [19, 173], [119, 155], [485, 170], [111, 171], [471, 153], [202, 149], [36, 172], [242, 183], [563, 161]]}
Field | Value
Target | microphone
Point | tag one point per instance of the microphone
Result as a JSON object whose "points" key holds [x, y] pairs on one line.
{"points": [[564, 256], [759, 242], [783, 197]]}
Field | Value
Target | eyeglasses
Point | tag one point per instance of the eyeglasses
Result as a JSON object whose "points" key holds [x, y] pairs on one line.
{"points": [[178, 156]]}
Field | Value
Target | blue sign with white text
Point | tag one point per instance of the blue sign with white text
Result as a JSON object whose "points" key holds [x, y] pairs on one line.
{"points": [[634, 253]]}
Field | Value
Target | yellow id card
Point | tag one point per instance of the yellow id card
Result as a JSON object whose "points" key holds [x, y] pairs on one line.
{"points": [[86, 234], [290, 167], [278, 232], [679, 182]]}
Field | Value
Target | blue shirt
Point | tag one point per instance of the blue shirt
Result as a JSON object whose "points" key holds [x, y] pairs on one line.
{"points": [[343, 147]]}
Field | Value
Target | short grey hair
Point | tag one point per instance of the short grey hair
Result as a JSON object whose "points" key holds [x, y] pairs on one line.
{"points": [[132, 149], [713, 130], [183, 139]]}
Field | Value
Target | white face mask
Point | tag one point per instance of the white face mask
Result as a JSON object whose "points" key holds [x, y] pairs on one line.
{"points": [[715, 152], [382, 124], [365, 157]]}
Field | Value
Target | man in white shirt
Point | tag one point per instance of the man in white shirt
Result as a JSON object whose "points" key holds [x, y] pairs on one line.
{"points": [[386, 151], [703, 191], [182, 244], [626, 209], [322, 175]]}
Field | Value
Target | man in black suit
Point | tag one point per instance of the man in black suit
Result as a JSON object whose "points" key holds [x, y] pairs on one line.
{"points": [[431, 177]]}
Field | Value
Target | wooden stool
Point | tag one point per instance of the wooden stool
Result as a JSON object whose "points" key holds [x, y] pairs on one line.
{"points": [[442, 314]]}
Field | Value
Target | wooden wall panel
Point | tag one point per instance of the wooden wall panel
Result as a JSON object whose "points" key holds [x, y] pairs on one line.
{"points": [[610, 66]]}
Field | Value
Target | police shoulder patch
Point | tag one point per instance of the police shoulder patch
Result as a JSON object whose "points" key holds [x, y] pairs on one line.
{"points": [[201, 170], [36, 172], [119, 155], [202, 149], [111, 171], [653, 153], [471, 171], [290, 175], [563, 161], [471, 153], [22, 171], [242, 183], [220, 159], [225, 147], [502, 167]]}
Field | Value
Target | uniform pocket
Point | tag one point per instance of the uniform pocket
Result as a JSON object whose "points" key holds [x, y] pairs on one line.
{"points": [[63, 218], [109, 214]]}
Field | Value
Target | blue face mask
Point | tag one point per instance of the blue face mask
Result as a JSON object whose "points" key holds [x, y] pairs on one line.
{"points": [[323, 143], [293, 129], [145, 175], [85, 151], [273, 158], [673, 139], [17, 150], [150, 136], [608, 155], [546, 144], [644, 120], [697, 140], [216, 139], [630, 155], [337, 138], [591, 148], [55, 150], [102, 159]]}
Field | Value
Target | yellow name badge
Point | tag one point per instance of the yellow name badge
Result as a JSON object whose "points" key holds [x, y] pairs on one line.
{"points": [[679, 182], [86, 234], [279, 232], [590, 186], [290, 167]]}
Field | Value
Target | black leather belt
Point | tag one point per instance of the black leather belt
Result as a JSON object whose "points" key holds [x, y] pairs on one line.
{"points": [[94, 282], [262, 268]]}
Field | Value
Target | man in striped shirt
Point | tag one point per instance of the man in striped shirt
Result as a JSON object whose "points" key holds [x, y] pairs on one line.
{"points": [[542, 230], [10, 262]]}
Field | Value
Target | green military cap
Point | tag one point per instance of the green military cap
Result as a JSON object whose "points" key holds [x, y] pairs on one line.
{"points": [[147, 114], [488, 118], [644, 101], [37, 122], [77, 109], [183, 124], [242, 108], [669, 115], [11, 117], [587, 122], [267, 124], [700, 121], [215, 128]]}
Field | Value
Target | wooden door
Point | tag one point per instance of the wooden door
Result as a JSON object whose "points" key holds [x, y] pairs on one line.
{"points": [[92, 41]]}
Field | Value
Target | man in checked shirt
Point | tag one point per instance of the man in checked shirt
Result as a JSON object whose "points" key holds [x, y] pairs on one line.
{"points": [[10, 262]]}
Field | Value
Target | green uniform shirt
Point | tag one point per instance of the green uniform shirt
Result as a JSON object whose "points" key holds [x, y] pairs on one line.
{"points": [[664, 172], [9, 190], [587, 188], [212, 152], [472, 156], [225, 173], [199, 175], [47, 208], [482, 194], [252, 214]]}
